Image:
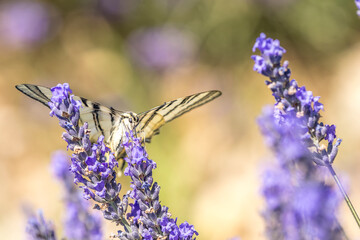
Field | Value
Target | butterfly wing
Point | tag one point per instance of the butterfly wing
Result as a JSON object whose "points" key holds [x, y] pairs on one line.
{"points": [[100, 119], [150, 121]]}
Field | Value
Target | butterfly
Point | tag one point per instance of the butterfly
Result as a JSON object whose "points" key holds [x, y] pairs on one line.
{"points": [[113, 124]]}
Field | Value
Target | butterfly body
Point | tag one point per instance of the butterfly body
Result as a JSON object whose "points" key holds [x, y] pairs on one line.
{"points": [[113, 124], [126, 121]]}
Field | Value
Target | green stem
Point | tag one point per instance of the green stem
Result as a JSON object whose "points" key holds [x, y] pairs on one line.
{"points": [[346, 197], [122, 220]]}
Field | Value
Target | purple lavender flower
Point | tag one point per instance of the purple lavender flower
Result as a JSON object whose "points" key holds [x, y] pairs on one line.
{"points": [[24, 23], [187, 231], [38, 228], [292, 100], [147, 215], [161, 48], [79, 222], [92, 164]]}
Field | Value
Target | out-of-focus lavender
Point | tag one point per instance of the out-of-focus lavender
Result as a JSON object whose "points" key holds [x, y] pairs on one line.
{"points": [[161, 48], [80, 222], [38, 228], [115, 9], [357, 2], [24, 23], [298, 204]]}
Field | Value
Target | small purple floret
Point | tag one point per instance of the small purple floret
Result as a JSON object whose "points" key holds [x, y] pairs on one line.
{"points": [[187, 231], [330, 133]]}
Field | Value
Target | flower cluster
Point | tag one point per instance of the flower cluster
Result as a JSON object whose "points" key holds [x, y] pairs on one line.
{"points": [[148, 218], [39, 228], [79, 222], [94, 167], [293, 101]]}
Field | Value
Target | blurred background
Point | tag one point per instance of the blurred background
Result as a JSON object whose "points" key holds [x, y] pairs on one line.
{"points": [[134, 55]]}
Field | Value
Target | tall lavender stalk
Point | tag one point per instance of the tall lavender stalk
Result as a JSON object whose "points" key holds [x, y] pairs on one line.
{"points": [[147, 216], [94, 167], [298, 108]]}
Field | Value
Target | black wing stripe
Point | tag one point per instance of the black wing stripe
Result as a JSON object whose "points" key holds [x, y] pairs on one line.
{"points": [[84, 101], [152, 116], [112, 114], [192, 97], [171, 110], [170, 103], [197, 103], [37, 91], [95, 113], [179, 104], [165, 106], [184, 100], [33, 94], [98, 123], [208, 97], [143, 116]]}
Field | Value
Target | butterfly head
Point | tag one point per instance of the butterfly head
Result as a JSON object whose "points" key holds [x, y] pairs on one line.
{"points": [[129, 120]]}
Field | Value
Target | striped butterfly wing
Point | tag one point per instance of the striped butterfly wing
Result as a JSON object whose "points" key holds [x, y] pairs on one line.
{"points": [[100, 119], [150, 121]]}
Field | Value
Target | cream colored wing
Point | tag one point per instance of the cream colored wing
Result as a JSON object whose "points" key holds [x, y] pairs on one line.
{"points": [[100, 119], [150, 121]]}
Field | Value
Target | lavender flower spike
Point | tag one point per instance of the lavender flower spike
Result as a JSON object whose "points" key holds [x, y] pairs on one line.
{"points": [[38, 228], [148, 218], [292, 100], [92, 164], [298, 108]]}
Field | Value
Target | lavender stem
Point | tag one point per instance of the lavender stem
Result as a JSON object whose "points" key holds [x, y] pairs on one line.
{"points": [[346, 197]]}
